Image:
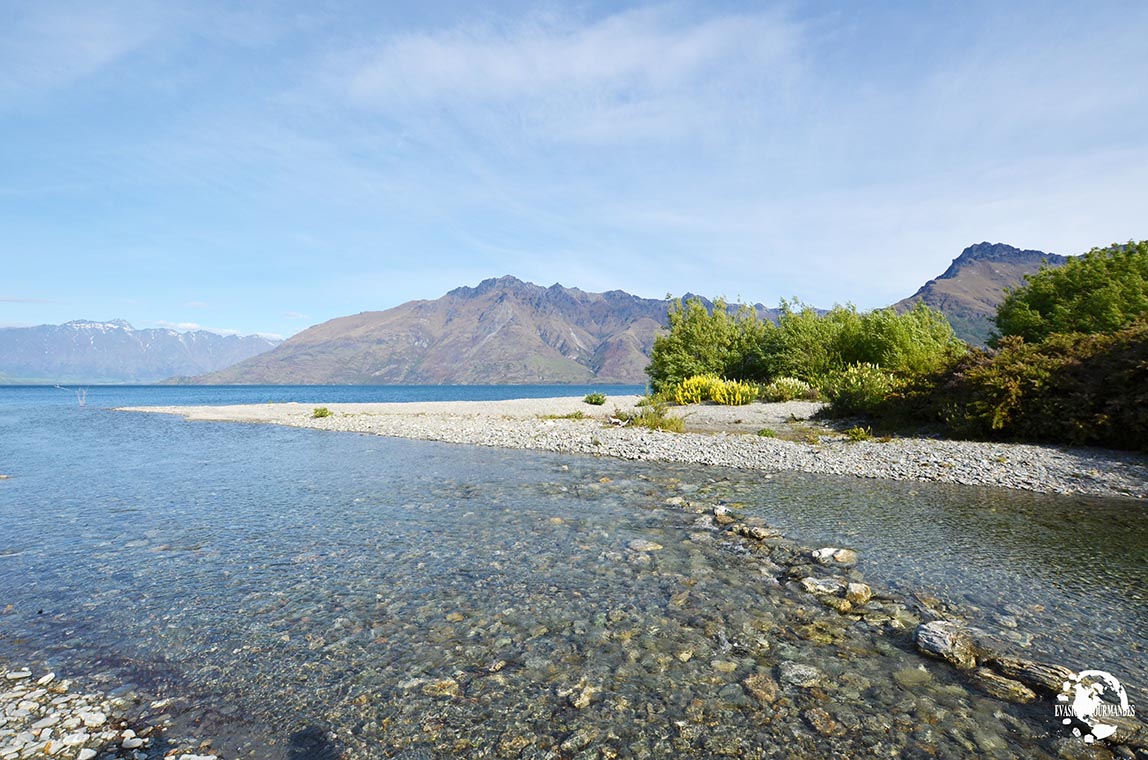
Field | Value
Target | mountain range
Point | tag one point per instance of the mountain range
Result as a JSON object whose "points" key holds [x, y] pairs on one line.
{"points": [[509, 331], [502, 331], [83, 351]]}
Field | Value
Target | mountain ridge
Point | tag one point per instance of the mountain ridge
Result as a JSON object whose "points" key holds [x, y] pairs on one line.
{"points": [[970, 289], [88, 351]]}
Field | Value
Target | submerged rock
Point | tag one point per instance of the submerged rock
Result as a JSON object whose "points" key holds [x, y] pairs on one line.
{"points": [[1000, 687], [1039, 675], [799, 674], [947, 641]]}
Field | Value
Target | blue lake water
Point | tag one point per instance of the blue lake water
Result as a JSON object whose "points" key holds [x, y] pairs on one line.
{"points": [[418, 599]]}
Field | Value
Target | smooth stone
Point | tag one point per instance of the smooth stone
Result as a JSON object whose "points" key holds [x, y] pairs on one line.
{"points": [[912, 678], [642, 545], [858, 593], [133, 743], [87, 753], [17, 675]]}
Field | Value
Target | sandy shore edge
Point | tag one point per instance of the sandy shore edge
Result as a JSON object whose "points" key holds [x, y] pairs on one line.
{"points": [[541, 424]]}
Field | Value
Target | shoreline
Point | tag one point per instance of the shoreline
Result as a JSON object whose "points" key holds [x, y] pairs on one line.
{"points": [[544, 425]]}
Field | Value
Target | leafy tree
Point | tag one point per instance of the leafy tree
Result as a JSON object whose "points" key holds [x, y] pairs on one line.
{"points": [[1102, 291], [699, 341]]}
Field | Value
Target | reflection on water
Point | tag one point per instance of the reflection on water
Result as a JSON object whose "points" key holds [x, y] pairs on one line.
{"points": [[301, 594]]}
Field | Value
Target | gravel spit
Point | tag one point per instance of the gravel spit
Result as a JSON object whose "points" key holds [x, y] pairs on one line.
{"points": [[540, 424]]}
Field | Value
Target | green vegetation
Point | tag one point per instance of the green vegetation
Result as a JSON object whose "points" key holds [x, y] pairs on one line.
{"points": [[859, 389], [595, 399], [1100, 292], [1071, 367], [1070, 364], [651, 416], [699, 388], [856, 434], [767, 433], [788, 389], [1071, 388], [320, 412], [703, 349], [701, 342], [575, 415]]}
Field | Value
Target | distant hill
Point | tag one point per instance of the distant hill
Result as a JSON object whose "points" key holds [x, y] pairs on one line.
{"points": [[969, 291], [502, 331], [82, 351]]}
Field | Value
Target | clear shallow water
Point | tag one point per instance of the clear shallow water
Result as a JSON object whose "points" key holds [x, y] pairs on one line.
{"points": [[440, 600]]}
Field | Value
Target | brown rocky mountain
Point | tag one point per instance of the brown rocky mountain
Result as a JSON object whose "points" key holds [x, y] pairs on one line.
{"points": [[502, 331], [970, 290]]}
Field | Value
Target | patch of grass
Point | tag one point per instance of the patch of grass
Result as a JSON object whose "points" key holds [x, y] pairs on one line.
{"points": [[767, 433], [857, 434], [575, 415], [595, 399], [320, 412], [653, 417]]}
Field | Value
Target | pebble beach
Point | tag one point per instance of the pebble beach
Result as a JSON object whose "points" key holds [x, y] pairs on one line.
{"points": [[715, 435]]}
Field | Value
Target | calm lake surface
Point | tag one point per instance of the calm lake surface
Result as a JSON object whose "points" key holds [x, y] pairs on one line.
{"points": [[417, 599]]}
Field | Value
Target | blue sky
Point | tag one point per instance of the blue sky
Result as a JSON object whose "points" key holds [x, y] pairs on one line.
{"points": [[264, 166]]}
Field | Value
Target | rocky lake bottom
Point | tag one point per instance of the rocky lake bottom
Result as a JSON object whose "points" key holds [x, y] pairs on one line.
{"points": [[286, 593]]}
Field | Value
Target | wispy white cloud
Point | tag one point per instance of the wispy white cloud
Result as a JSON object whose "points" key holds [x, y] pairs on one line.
{"points": [[638, 73], [52, 45], [21, 299]]}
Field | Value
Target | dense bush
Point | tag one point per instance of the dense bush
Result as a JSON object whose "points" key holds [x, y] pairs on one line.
{"points": [[805, 344], [320, 412], [1100, 292], [860, 388], [595, 399], [1070, 388], [703, 342]]}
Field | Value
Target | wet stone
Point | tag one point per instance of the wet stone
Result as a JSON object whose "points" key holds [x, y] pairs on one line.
{"points": [[761, 687], [948, 641], [799, 674], [1001, 687]]}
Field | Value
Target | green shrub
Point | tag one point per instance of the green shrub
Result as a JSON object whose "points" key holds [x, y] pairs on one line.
{"points": [[699, 341], [860, 389], [595, 399], [734, 393], [767, 433], [856, 434], [652, 416], [1070, 388], [320, 412], [788, 389]]}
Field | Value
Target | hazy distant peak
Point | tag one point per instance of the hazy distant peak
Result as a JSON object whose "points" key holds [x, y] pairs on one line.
{"points": [[113, 324]]}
